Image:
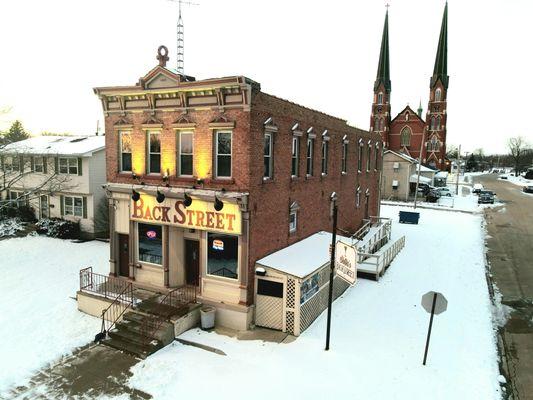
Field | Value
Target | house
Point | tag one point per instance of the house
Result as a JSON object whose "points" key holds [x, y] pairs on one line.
{"points": [[206, 177], [400, 174], [58, 176]]}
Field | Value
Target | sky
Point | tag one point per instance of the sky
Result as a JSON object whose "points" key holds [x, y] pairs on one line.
{"points": [[321, 54]]}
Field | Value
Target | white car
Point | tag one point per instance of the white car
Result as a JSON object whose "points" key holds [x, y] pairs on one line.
{"points": [[444, 191]]}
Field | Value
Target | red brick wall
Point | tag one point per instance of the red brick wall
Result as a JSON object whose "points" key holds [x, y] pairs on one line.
{"points": [[417, 130], [270, 201]]}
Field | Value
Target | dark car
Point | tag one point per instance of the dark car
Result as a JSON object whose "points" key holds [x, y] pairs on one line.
{"points": [[528, 189], [432, 196], [486, 197]]}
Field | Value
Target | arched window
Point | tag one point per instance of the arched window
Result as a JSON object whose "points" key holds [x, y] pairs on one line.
{"points": [[438, 94], [433, 144], [405, 137], [376, 124], [380, 98], [433, 123], [407, 116], [437, 123]]}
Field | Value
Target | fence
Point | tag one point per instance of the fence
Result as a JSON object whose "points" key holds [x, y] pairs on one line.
{"points": [[102, 285]]}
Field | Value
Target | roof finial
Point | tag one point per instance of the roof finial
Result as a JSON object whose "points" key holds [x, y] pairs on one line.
{"points": [[162, 55]]}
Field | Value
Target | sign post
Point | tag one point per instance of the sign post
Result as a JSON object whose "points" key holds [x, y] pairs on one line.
{"points": [[433, 303], [332, 264]]}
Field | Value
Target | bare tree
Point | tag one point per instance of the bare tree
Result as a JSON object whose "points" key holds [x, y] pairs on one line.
{"points": [[518, 147]]}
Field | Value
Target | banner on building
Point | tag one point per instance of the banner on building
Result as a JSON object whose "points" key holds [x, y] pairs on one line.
{"points": [[199, 215]]}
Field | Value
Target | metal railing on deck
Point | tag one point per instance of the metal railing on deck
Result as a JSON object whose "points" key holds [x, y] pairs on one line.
{"points": [[103, 285], [382, 260]]}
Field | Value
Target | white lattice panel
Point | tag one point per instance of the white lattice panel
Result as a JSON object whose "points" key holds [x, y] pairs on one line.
{"points": [[269, 312]]}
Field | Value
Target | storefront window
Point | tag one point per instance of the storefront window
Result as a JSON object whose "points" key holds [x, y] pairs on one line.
{"points": [[222, 255], [151, 244]]}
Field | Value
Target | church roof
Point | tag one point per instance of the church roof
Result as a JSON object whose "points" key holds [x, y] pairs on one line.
{"points": [[440, 71], [411, 111], [383, 75]]}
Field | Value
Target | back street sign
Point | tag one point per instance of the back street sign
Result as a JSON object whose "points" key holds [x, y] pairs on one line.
{"points": [[346, 262]]}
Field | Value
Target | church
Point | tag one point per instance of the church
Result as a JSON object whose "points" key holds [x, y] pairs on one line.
{"points": [[410, 132]]}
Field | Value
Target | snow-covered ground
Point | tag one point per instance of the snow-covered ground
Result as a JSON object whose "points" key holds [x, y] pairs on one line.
{"points": [[39, 320], [378, 334], [519, 180]]}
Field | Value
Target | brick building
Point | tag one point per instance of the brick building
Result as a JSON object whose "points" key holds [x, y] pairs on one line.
{"points": [[409, 132], [206, 177]]}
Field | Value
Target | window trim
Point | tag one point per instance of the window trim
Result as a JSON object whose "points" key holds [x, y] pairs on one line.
{"points": [[309, 157], [360, 157], [73, 206], [295, 154], [68, 159], [344, 158], [217, 176], [149, 134], [368, 157], [294, 228], [325, 158], [270, 156], [137, 247], [180, 153], [121, 152], [405, 130]]}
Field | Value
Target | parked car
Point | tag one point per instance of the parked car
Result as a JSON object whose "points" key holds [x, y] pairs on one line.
{"points": [[444, 191], [486, 197], [503, 176], [528, 189], [432, 196], [478, 187]]}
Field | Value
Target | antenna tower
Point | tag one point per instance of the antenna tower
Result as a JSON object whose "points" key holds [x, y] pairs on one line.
{"points": [[180, 42]]}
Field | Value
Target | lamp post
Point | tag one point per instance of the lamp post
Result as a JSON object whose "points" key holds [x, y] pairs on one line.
{"points": [[333, 200]]}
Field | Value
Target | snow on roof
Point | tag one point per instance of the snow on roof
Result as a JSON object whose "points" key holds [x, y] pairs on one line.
{"points": [[423, 179], [441, 174], [61, 145], [304, 257], [425, 169]]}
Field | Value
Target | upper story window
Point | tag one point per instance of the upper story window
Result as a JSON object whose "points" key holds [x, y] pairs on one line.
{"points": [[185, 154], [360, 157], [223, 154], [377, 157], [154, 152], [70, 166], [380, 98], [433, 144], [310, 146], [405, 137], [12, 163], [295, 159], [344, 155], [325, 156], [38, 164], [358, 197], [438, 94], [376, 124], [368, 157], [267, 156], [437, 123], [125, 151], [407, 116]]}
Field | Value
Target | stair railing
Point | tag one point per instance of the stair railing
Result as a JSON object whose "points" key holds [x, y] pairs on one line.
{"points": [[115, 310]]}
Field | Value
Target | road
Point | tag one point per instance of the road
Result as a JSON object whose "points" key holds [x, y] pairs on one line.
{"points": [[510, 254]]}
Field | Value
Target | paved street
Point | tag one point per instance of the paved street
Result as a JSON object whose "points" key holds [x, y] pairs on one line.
{"points": [[510, 254]]}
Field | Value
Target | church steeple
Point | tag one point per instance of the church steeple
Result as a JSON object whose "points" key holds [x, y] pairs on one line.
{"points": [[383, 75], [419, 111], [440, 71]]}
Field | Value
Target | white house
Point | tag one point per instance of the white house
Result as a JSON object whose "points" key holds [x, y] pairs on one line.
{"points": [[58, 176]]}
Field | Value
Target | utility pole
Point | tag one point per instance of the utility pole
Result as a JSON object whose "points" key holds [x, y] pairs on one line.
{"points": [[419, 164], [333, 200], [458, 170]]}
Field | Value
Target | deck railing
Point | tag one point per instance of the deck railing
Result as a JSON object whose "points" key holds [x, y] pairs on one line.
{"points": [[378, 239], [382, 260], [102, 285]]}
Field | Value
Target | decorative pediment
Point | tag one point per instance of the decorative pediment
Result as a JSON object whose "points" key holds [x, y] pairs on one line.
{"points": [[161, 81], [221, 122], [294, 206], [152, 123], [269, 125], [184, 122], [122, 124]]}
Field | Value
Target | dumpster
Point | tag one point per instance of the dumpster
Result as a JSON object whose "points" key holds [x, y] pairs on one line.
{"points": [[409, 217]]}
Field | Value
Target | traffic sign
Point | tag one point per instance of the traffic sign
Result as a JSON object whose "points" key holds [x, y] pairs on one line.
{"points": [[440, 302]]}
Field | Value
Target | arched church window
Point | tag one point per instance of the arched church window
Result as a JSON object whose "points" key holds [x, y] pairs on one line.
{"points": [[433, 123], [438, 94], [407, 116], [434, 144], [437, 123], [376, 124], [380, 98], [405, 137]]}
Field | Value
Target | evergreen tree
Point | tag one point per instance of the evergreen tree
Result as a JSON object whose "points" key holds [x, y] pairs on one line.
{"points": [[16, 133], [471, 164]]}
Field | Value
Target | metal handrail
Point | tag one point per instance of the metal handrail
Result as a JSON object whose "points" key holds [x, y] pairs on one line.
{"points": [[107, 286], [115, 311], [175, 298]]}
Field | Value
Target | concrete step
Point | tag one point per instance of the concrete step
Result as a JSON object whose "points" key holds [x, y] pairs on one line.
{"points": [[131, 348], [128, 335], [162, 310]]}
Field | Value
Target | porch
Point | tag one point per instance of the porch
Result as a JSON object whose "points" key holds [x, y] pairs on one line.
{"points": [[137, 318]]}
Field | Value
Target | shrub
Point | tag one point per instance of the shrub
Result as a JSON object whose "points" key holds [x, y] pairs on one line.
{"points": [[24, 213], [58, 228]]}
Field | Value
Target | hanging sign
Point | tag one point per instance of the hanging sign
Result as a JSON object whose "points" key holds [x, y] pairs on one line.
{"points": [[199, 215], [346, 262]]}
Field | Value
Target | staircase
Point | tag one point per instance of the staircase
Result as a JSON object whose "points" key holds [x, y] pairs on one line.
{"points": [[147, 326]]}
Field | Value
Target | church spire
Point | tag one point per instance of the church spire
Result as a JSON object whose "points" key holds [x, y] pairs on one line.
{"points": [[441, 61], [419, 111], [383, 75]]}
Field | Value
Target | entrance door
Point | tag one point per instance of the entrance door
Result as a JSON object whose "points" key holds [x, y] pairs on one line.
{"points": [[192, 262], [44, 206], [124, 255]]}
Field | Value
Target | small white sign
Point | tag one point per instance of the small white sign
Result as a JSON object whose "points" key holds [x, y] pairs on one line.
{"points": [[346, 262]]}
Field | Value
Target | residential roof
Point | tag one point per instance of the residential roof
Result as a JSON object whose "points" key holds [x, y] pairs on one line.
{"points": [[304, 257], [58, 145], [411, 160]]}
